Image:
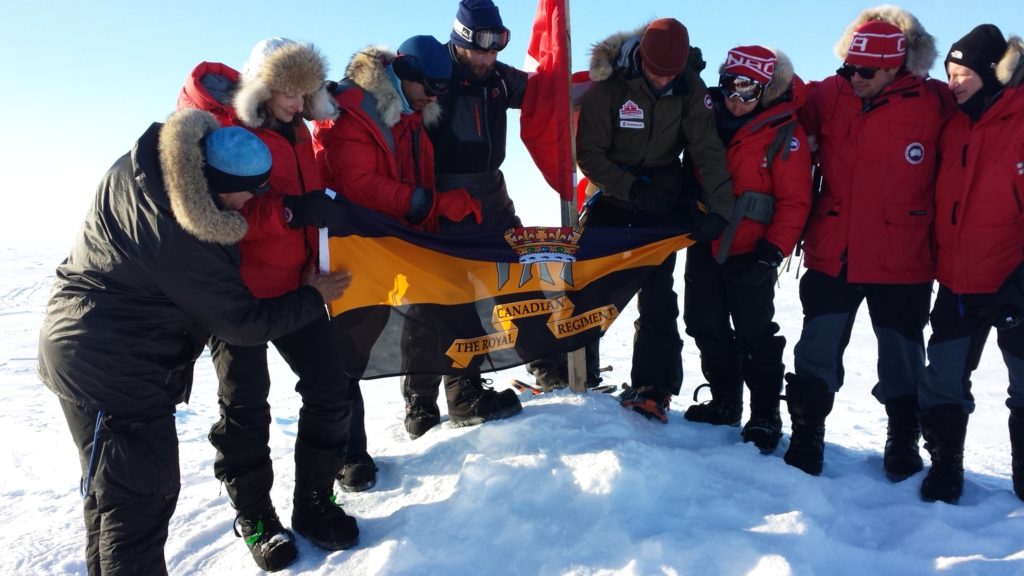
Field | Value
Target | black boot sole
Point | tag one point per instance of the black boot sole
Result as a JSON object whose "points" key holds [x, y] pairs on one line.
{"points": [[457, 422]]}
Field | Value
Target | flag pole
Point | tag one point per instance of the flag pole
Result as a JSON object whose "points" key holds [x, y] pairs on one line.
{"points": [[577, 359]]}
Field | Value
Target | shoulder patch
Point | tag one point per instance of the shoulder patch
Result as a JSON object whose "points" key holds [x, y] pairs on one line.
{"points": [[794, 144], [707, 102]]}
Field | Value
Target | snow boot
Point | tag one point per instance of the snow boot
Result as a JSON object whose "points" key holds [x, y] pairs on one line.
{"points": [[358, 474], [421, 417], [944, 428], [763, 372], [902, 458], [469, 403], [810, 402], [550, 373], [314, 513], [726, 405], [649, 401], [1017, 449], [271, 545]]}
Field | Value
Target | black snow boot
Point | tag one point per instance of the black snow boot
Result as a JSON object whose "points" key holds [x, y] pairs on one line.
{"points": [[1017, 448], [314, 514], [358, 474], [421, 417], [726, 405], [272, 547], [902, 458], [763, 372], [944, 428], [550, 373], [469, 403], [810, 402], [649, 401]]}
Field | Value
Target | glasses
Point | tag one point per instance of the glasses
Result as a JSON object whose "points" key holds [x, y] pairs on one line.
{"points": [[847, 71], [261, 189], [435, 86], [743, 88], [485, 40]]}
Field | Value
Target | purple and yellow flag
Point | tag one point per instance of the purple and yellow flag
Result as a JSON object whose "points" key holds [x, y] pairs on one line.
{"points": [[421, 303]]}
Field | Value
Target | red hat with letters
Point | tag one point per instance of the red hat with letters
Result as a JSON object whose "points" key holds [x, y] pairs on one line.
{"points": [[877, 44], [754, 62]]}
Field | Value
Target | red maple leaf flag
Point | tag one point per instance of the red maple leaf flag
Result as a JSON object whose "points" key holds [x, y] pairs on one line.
{"points": [[545, 114]]}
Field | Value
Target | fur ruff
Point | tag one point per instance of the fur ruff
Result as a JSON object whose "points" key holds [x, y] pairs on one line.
{"points": [[782, 78], [921, 51], [181, 160], [292, 69], [368, 70], [1009, 70], [604, 54]]}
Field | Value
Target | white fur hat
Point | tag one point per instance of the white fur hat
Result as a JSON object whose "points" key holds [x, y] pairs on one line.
{"points": [[286, 66]]}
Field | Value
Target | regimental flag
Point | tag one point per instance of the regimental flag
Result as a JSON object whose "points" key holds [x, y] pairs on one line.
{"points": [[426, 304]]}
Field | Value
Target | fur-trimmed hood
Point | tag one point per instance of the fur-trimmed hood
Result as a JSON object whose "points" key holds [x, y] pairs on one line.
{"points": [[1010, 69], [605, 55], [782, 78], [368, 70], [921, 52], [181, 161], [286, 66]]}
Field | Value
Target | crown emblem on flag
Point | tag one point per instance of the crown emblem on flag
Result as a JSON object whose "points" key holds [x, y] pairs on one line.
{"points": [[544, 243]]}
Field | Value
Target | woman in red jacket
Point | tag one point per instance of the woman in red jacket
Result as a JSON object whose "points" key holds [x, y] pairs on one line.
{"points": [[979, 228], [730, 283]]}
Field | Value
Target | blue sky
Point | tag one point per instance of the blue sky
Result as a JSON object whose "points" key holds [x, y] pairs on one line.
{"points": [[83, 80]]}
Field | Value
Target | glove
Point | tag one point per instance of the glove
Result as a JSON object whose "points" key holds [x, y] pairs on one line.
{"points": [[765, 268], [708, 227], [650, 198], [1007, 309], [421, 202], [309, 209], [456, 205]]}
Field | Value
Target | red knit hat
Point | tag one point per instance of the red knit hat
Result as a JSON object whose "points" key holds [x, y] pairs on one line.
{"points": [[754, 62], [665, 47], [877, 44]]}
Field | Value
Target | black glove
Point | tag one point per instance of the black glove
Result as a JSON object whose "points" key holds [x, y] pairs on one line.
{"points": [[420, 202], [650, 198], [308, 209], [765, 268], [1007, 310], [708, 227]]}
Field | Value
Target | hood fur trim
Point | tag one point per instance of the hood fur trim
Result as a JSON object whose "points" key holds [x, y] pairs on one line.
{"points": [[181, 160], [604, 54], [921, 51], [782, 78], [368, 70], [1009, 70], [293, 68]]}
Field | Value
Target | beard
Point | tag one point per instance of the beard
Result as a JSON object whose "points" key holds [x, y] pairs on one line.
{"points": [[477, 71]]}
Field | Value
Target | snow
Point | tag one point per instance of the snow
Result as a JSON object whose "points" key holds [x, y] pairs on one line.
{"points": [[573, 485]]}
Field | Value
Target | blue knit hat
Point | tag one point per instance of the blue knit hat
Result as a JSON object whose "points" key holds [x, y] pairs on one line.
{"points": [[475, 15], [425, 60], [236, 161]]}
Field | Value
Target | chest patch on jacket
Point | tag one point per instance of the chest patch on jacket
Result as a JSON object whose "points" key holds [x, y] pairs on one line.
{"points": [[630, 111], [914, 153]]}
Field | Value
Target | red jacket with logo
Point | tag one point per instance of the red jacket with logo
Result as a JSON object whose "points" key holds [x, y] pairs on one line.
{"points": [[788, 179], [879, 161], [980, 197]]}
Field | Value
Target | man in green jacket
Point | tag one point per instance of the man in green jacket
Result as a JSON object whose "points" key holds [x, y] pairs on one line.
{"points": [[645, 109]]}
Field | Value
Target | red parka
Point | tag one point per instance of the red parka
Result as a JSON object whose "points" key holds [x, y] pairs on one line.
{"points": [[209, 87], [879, 162], [788, 179], [980, 197], [373, 154]]}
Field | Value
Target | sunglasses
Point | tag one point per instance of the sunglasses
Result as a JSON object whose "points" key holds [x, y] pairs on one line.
{"points": [[261, 189], [743, 88], [435, 86], [485, 40], [847, 71]]}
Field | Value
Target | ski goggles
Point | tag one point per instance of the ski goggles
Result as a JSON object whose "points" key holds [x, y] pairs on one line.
{"points": [[847, 71], [483, 39], [737, 87]]}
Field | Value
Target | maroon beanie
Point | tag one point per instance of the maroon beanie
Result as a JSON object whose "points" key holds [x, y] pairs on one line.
{"points": [[877, 44], [665, 47]]}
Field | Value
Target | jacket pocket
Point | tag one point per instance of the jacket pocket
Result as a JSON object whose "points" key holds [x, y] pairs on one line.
{"points": [[908, 237], [826, 236]]}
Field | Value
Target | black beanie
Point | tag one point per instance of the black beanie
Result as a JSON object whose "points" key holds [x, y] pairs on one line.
{"points": [[980, 50]]}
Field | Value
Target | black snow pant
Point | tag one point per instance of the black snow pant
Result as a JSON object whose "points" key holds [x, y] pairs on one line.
{"points": [[731, 322], [899, 313], [959, 332], [242, 434], [657, 347], [131, 471]]}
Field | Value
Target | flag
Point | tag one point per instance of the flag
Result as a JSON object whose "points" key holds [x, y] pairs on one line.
{"points": [[545, 113], [420, 303]]}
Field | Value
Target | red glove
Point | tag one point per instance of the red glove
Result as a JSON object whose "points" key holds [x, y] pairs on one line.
{"points": [[456, 205]]}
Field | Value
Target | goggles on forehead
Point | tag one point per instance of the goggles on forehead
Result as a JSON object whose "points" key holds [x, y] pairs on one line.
{"points": [[743, 88], [483, 39], [847, 71]]}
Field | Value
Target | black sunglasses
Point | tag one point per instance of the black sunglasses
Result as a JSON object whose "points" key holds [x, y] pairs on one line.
{"points": [[435, 86], [847, 71]]}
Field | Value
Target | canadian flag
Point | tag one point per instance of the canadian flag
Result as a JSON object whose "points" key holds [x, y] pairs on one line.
{"points": [[545, 114]]}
